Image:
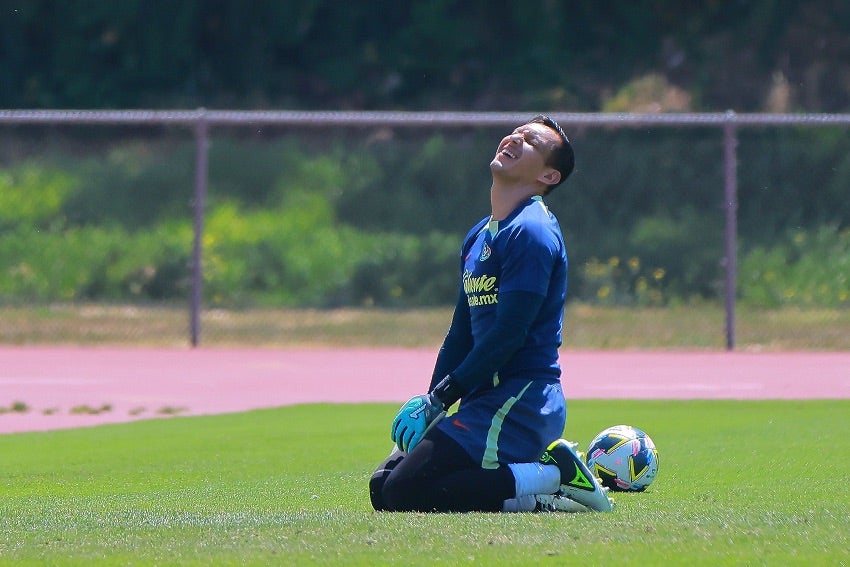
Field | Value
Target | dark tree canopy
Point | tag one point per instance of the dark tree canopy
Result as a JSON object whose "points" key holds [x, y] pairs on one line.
{"points": [[747, 55]]}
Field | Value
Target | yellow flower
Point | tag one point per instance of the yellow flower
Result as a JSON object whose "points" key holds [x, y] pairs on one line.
{"points": [[603, 292], [613, 261], [634, 263], [594, 268], [658, 274]]}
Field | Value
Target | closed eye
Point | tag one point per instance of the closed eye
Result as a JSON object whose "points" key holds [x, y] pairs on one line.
{"points": [[531, 138]]}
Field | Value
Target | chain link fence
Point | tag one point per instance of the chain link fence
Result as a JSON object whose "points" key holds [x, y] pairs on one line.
{"points": [[193, 150]]}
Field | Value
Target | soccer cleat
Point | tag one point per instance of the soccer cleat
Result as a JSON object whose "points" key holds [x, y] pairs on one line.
{"points": [[557, 503], [577, 482]]}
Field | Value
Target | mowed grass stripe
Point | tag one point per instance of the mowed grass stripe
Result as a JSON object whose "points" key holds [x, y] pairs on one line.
{"points": [[739, 483]]}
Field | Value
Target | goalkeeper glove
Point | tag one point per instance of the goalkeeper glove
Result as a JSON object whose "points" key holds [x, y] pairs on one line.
{"points": [[414, 418]]}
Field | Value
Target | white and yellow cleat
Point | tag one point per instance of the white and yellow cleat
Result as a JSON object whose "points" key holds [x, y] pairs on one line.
{"points": [[577, 482], [558, 503]]}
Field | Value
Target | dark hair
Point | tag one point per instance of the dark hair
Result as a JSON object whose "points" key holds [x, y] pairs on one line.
{"points": [[560, 157]]}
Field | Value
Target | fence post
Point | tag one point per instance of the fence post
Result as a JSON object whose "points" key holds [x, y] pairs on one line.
{"points": [[730, 169], [198, 204]]}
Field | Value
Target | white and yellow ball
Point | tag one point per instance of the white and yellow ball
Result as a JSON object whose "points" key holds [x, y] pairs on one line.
{"points": [[624, 458]]}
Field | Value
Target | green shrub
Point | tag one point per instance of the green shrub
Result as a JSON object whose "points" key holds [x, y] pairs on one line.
{"points": [[94, 263], [806, 269], [621, 282], [663, 259], [417, 184], [134, 184], [688, 247], [46, 265], [34, 195], [155, 265], [298, 254], [344, 218], [792, 177], [404, 270], [291, 255]]}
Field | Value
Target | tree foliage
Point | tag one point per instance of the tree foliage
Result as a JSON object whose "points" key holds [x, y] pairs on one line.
{"points": [[747, 55]]}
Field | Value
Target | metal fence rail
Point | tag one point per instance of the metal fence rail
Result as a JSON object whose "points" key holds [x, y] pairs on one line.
{"points": [[202, 119], [407, 119]]}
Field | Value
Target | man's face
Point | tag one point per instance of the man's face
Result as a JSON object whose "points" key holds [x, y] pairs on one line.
{"points": [[522, 154]]}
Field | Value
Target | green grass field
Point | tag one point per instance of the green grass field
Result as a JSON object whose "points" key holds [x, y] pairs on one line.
{"points": [[740, 483]]}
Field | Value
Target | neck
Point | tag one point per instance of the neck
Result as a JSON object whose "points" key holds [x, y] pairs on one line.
{"points": [[505, 198]]}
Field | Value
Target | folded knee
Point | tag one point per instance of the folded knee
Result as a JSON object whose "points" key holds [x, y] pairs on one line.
{"points": [[399, 494]]}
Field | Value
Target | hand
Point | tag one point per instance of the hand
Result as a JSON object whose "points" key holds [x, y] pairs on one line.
{"points": [[412, 421]]}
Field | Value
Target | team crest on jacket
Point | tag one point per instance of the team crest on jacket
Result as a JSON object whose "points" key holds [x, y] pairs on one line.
{"points": [[485, 253]]}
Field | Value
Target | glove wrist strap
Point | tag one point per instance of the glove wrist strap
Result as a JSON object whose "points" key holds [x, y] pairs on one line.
{"points": [[447, 392]]}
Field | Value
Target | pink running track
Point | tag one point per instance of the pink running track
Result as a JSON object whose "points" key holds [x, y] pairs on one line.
{"points": [[55, 383]]}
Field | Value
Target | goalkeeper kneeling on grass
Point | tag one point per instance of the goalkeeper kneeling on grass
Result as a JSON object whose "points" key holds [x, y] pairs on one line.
{"points": [[501, 449]]}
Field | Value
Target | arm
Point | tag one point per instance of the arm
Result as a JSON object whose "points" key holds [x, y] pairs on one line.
{"points": [[463, 364], [457, 343], [529, 254], [514, 315], [420, 412]]}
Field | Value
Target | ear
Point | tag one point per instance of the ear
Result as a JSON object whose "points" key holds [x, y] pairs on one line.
{"points": [[550, 177]]}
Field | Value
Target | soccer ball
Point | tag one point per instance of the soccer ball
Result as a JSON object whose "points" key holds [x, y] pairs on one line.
{"points": [[624, 458]]}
